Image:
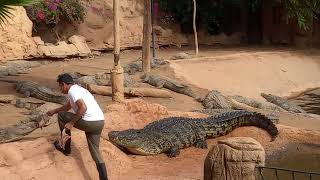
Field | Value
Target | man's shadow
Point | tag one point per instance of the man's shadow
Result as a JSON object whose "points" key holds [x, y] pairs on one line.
{"points": [[75, 154]]}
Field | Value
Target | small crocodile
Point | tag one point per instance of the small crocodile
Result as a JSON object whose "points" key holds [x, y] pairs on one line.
{"points": [[257, 104], [101, 79], [169, 135], [37, 119], [216, 100], [14, 68], [33, 89], [161, 81], [283, 103], [136, 65]]}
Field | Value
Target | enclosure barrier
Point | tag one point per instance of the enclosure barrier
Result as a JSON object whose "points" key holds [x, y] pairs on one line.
{"points": [[311, 175]]}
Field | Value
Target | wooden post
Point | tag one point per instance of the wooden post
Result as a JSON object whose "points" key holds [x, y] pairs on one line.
{"points": [[146, 61], [195, 27], [117, 71], [152, 30]]}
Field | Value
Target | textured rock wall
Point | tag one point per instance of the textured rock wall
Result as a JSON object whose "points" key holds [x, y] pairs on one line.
{"points": [[16, 40]]}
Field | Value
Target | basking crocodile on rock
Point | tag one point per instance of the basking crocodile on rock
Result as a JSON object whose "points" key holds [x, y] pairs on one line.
{"points": [[14, 68], [161, 81], [33, 89], [257, 104], [169, 135], [136, 66], [283, 103]]}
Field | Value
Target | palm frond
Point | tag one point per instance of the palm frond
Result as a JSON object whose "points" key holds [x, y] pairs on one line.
{"points": [[6, 6]]}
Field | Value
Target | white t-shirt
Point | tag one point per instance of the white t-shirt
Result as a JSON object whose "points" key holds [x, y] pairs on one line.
{"points": [[94, 112]]}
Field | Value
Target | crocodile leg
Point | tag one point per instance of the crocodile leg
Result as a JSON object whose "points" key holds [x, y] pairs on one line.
{"points": [[26, 94], [200, 138], [173, 151], [201, 143]]}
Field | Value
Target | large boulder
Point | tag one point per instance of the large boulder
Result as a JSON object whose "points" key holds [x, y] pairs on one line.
{"points": [[16, 36], [77, 46], [17, 42], [234, 158]]}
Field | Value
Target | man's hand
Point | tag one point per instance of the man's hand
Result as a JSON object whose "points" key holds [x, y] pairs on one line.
{"points": [[51, 112], [65, 107], [69, 125]]}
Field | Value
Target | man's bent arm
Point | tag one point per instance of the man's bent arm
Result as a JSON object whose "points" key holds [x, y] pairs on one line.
{"points": [[82, 108]]}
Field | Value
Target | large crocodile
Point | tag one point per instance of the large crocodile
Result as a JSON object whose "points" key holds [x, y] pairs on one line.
{"points": [[171, 134], [29, 88]]}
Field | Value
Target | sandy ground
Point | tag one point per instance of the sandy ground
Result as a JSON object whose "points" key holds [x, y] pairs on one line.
{"points": [[249, 74], [244, 71], [37, 159]]}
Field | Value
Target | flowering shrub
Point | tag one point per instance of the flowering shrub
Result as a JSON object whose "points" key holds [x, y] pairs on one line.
{"points": [[51, 12]]}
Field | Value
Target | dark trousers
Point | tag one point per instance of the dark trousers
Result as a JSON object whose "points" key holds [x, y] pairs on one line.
{"points": [[92, 129]]}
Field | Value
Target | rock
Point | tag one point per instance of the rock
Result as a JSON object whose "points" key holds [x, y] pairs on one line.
{"points": [[61, 50], [166, 36], [234, 158], [38, 40], [78, 47], [16, 36], [81, 45], [98, 23], [7, 98]]}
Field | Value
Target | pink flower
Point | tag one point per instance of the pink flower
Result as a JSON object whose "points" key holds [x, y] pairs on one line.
{"points": [[41, 15], [53, 7], [57, 1]]}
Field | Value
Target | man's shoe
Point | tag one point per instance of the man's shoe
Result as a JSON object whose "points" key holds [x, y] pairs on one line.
{"points": [[67, 147], [102, 171]]}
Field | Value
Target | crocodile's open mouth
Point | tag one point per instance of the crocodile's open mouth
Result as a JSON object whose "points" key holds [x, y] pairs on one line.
{"points": [[131, 149]]}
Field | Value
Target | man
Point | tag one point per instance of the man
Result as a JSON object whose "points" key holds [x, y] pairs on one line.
{"points": [[88, 117]]}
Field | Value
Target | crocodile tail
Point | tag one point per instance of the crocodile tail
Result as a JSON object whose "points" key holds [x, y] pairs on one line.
{"points": [[261, 121], [234, 119]]}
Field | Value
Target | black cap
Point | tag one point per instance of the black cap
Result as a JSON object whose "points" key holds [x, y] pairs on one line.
{"points": [[65, 78]]}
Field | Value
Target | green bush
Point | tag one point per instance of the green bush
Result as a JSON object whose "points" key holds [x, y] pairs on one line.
{"points": [[51, 12]]}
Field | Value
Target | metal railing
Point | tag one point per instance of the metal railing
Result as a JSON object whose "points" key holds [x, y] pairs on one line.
{"points": [[276, 170]]}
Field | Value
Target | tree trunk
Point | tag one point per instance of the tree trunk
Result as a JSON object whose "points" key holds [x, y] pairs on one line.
{"points": [[117, 71], [146, 37], [195, 27]]}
